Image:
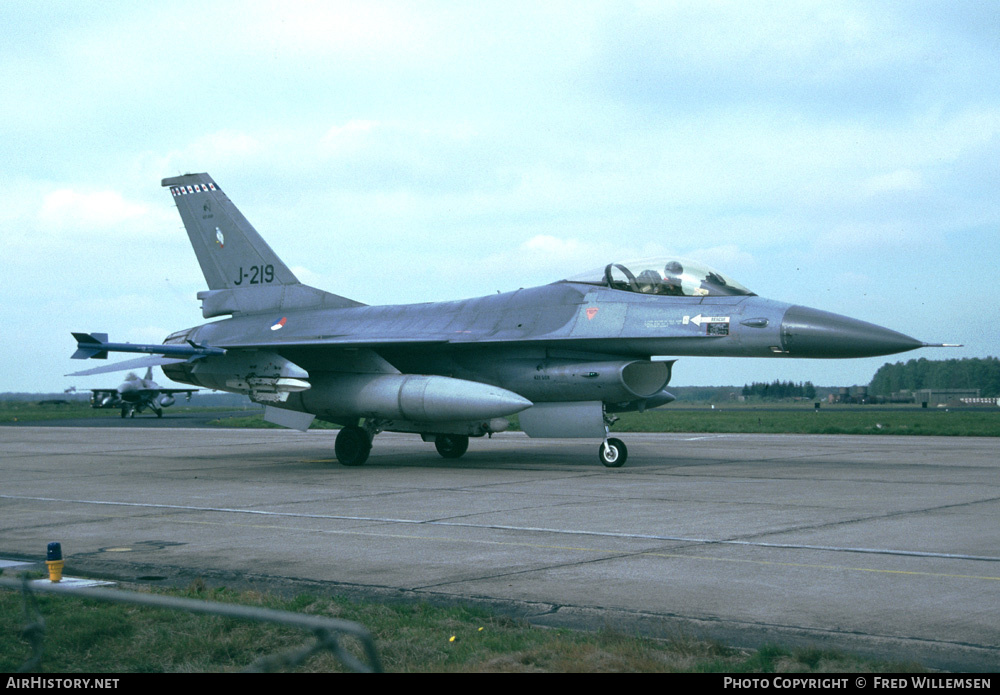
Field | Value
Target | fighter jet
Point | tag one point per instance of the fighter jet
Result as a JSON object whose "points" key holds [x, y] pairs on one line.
{"points": [[135, 395], [565, 357]]}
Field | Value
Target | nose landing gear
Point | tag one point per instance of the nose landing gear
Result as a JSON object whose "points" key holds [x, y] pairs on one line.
{"points": [[613, 453]]}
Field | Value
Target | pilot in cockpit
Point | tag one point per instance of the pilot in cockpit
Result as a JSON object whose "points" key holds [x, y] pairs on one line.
{"points": [[672, 272], [649, 282]]}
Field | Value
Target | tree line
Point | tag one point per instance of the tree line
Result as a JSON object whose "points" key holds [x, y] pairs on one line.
{"points": [[968, 373], [779, 389]]}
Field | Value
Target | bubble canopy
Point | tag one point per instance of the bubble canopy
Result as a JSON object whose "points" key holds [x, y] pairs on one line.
{"points": [[669, 276]]}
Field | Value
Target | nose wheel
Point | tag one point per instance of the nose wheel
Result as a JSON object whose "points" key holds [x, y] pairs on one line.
{"points": [[613, 453]]}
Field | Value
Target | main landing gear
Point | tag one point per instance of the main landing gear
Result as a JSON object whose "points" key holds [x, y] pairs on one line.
{"points": [[613, 453], [353, 446], [451, 446]]}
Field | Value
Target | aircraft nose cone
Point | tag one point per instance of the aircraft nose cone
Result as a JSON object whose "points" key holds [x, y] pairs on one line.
{"points": [[807, 332]]}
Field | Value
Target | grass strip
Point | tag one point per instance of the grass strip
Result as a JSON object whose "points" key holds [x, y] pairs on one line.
{"points": [[95, 637]]}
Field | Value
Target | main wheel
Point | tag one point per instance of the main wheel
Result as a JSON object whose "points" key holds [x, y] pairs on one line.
{"points": [[451, 446], [352, 446], [614, 454]]}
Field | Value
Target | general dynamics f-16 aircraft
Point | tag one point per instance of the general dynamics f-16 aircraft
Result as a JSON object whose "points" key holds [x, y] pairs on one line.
{"points": [[565, 357], [135, 395]]}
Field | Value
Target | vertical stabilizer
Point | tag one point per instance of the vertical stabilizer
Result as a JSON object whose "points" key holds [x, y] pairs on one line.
{"points": [[231, 252], [243, 274]]}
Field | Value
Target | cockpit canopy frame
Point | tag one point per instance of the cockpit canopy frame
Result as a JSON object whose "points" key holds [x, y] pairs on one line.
{"points": [[665, 276]]}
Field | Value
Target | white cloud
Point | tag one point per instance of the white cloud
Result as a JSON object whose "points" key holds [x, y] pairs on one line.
{"points": [[352, 131], [65, 209], [899, 180], [552, 246], [329, 29], [222, 148]]}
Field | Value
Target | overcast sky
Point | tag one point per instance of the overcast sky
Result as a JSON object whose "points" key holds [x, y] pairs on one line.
{"points": [[840, 155]]}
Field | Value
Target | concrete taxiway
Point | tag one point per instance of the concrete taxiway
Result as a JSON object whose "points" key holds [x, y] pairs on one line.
{"points": [[887, 546]]}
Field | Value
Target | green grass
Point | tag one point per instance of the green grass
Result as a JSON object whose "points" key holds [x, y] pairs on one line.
{"points": [[790, 418], [826, 420], [95, 637], [24, 411], [31, 411]]}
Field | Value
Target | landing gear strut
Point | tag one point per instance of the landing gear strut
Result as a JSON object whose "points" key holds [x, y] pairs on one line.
{"points": [[613, 453]]}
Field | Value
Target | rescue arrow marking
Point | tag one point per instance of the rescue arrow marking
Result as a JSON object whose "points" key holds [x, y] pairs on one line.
{"points": [[699, 319]]}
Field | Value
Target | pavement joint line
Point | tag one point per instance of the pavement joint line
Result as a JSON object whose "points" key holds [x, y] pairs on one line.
{"points": [[527, 529]]}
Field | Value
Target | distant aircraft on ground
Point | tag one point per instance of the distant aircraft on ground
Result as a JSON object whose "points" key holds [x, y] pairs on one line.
{"points": [[135, 395], [565, 356]]}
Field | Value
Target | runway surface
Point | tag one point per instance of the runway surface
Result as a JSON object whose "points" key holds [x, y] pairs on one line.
{"points": [[887, 546]]}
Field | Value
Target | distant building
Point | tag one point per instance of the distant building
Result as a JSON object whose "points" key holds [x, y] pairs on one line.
{"points": [[855, 394], [936, 397]]}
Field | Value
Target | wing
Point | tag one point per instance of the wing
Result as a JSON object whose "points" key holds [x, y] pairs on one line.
{"points": [[154, 361]]}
